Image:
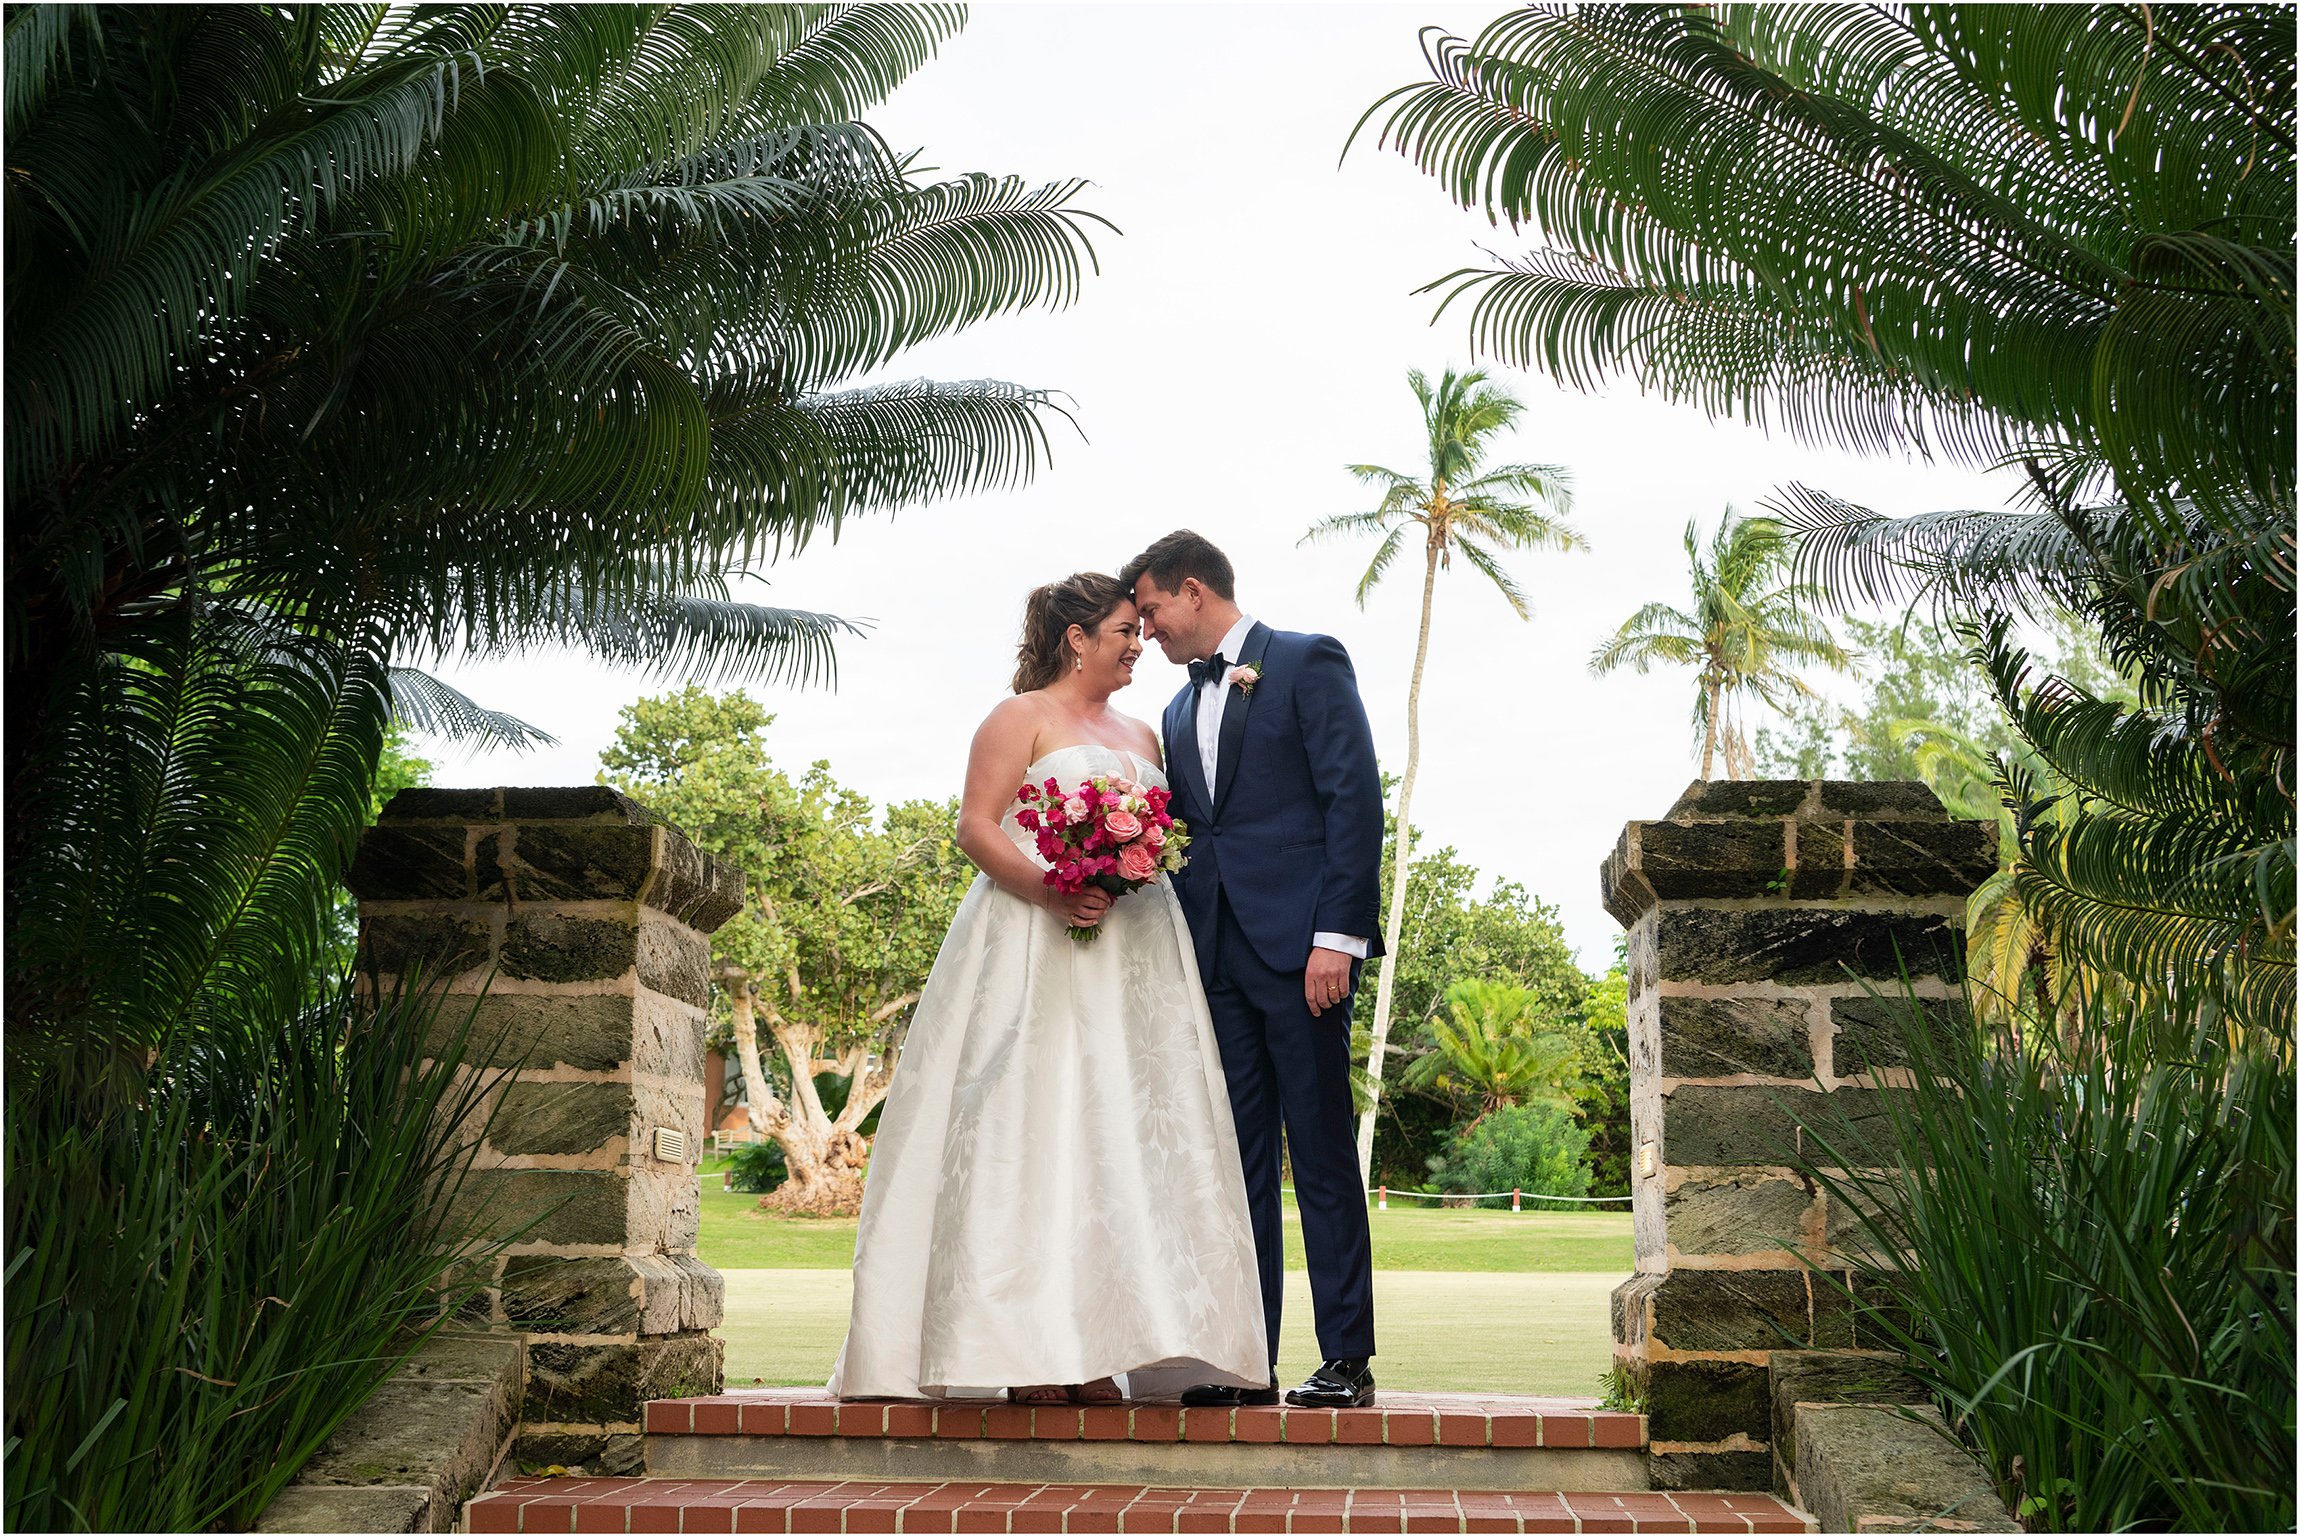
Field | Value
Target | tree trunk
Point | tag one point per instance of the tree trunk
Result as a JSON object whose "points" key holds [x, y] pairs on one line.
{"points": [[1709, 737], [742, 990], [1385, 987], [825, 1154]]}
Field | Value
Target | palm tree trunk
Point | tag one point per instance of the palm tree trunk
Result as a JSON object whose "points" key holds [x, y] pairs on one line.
{"points": [[1709, 737], [1385, 990]]}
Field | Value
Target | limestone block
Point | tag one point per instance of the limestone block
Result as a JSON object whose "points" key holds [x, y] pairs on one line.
{"points": [[1723, 1037], [431, 805], [674, 960], [1713, 859], [1705, 1471], [1732, 1310], [546, 946], [441, 944], [612, 1294], [1921, 858], [1704, 1400], [421, 861], [422, 1443], [612, 1454], [664, 1208], [1720, 1126], [667, 1038], [1745, 798], [1873, 1467], [1831, 1376], [344, 1508], [609, 1384], [1804, 946], [698, 891], [539, 1030], [580, 861], [1872, 1030], [559, 1206], [552, 1117], [1738, 1214]]}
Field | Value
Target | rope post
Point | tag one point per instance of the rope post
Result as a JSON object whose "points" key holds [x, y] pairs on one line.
{"points": [[1382, 1203], [1516, 1200]]}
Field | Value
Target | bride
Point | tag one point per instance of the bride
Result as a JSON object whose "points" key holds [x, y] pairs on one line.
{"points": [[1054, 1195]]}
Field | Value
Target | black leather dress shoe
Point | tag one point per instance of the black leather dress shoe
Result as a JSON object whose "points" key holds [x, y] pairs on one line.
{"points": [[1346, 1384], [1215, 1395]]}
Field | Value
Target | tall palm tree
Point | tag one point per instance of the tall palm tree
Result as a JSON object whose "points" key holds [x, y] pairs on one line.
{"points": [[1457, 504], [2058, 238], [1747, 627]]}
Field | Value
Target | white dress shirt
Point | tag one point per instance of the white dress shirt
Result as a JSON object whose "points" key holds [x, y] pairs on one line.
{"points": [[1213, 696]]}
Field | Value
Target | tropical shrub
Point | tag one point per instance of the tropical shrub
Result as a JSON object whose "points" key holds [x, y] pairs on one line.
{"points": [[754, 1168], [2103, 1293], [1536, 1148], [204, 1283], [2056, 239], [344, 339]]}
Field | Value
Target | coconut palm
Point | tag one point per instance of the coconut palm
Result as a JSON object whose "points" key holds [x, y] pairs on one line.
{"points": [[1456, 504], [1489, 1053], [1749, 624], [2057, 238]]}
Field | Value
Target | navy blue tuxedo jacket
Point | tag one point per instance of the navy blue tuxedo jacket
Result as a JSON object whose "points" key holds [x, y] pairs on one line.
{"points": [[1293, 829]]}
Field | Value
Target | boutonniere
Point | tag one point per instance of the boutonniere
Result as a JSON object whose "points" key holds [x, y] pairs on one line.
{"points": [[1243, 679]]}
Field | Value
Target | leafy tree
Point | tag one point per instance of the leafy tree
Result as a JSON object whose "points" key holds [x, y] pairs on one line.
{"points": [[2057, 238], [1748, 626], [1457, 504], [845, 912], [1489, 1054], [1601, 1088], [348, 338], [1452, 934], [1535, 1148], [1928, 712]]}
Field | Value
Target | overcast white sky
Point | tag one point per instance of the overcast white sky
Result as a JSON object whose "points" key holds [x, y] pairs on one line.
{"points": [[1248, 337]]}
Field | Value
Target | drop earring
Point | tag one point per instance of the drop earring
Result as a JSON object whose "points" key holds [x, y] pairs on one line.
{"points": [[1078, 664]]}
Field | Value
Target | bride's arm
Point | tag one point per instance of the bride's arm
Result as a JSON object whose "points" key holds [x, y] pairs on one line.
{"points": [[995, 765]]}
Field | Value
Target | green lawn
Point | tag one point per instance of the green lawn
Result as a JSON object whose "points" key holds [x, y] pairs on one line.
{"points": [[1468, 1331], [1480, 1301], [737, 1236]]}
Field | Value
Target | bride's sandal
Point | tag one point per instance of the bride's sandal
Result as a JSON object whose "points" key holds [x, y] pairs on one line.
{"points": [[1102, 1390], [1045, 1395]]}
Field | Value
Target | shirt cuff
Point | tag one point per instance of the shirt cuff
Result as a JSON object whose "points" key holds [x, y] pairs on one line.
{"points": [[1348, 944]]}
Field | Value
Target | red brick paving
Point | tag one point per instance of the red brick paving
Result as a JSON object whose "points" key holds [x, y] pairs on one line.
{"points": [[1397, 1419], [774, 1505]]}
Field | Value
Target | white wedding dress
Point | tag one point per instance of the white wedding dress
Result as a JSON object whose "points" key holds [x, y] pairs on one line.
{"points": [[1054, 1192]]}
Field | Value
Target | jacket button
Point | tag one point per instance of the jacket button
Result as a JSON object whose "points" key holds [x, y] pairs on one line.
{"points": [[1216, 829]]}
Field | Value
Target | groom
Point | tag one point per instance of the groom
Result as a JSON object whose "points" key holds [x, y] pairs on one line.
{"points": [[1272, 767]]}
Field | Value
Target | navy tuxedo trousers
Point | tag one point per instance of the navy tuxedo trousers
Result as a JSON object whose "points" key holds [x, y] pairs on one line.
{"points": [[1288, 1065]]}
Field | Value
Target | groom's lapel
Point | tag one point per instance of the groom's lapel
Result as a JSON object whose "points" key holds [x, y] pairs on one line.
{"points": [[1182, 747], [1234, 715]]}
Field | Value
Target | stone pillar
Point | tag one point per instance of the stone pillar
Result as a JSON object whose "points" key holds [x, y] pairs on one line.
{"points": [[586, 924], [1756, 911]]}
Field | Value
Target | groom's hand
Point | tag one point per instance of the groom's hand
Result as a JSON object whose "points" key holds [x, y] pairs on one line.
{"points": [[1327, 981]]}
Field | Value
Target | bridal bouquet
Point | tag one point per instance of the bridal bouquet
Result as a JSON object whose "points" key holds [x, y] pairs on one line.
{"points": [[1109, 832]]}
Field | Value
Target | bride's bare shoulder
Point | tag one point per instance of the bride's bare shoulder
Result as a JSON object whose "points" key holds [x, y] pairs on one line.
{"points": [[1012, 723], [1145, 737]]}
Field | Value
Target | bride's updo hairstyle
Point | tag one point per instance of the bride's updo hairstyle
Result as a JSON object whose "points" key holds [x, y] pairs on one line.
{"points": [[1084, 600]]}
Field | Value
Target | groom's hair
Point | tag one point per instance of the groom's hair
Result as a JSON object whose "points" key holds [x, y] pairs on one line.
{"points": [[1177, 557]]}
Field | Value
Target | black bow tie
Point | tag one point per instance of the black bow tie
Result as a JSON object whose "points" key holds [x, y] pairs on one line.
{"points": [[1210, 670]]}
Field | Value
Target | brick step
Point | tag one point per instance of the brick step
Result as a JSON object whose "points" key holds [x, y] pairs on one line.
{"points": [[774, 1505], [1408, 1440]]}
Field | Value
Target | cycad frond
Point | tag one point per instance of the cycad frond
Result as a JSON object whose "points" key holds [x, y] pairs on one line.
{"points": [[422, 703]]}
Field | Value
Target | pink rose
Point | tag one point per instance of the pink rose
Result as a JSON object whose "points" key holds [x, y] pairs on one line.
{"points": [[1075, 809], [1136, 862], [1125, 826], [1155, 837]]}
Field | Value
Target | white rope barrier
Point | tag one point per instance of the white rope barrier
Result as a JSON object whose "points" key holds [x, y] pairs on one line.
{"points": [[1516, 1197]]}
